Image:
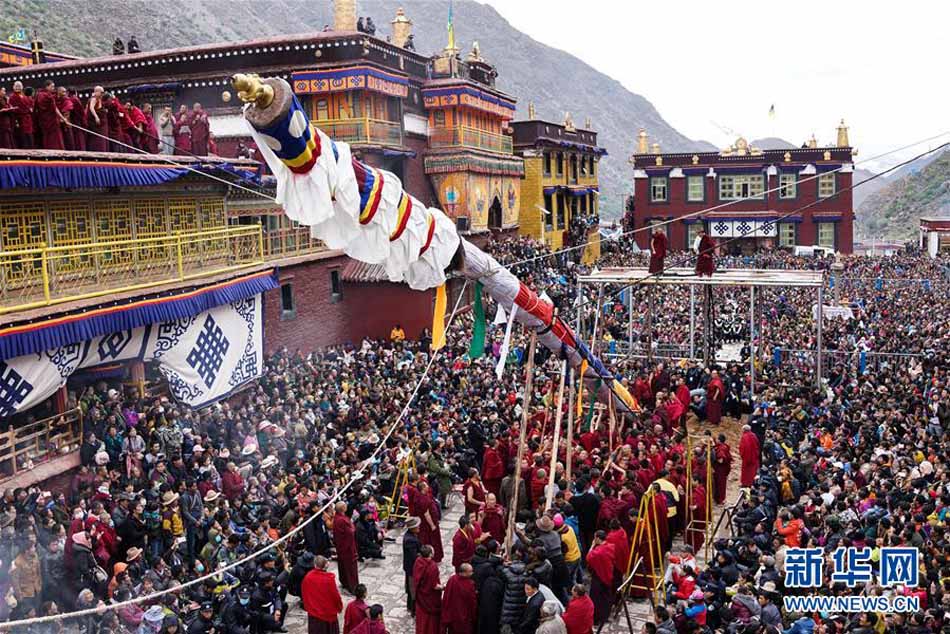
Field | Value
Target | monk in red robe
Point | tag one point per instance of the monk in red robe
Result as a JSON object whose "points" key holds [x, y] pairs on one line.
{"points": [[321, 599], [200, 131], [722, 465], [97, 116], [474, 492], [425, 582], [696, 533], [579, 616], [136, 124], [460, 603], [493, 519], [660, 517], [600, 563], [344, 538], [749, 451], [658, 244], [22, 107], [618, 537], [6, 120], [463, 543], [715, 396], [149, 131], [374, 624], [705, 265], [65, 106], [356, 610], [77, 117], [493, 467], [182, 131]]}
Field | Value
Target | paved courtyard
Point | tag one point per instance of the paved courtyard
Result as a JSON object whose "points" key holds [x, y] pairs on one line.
{"points": [[384, 578]]}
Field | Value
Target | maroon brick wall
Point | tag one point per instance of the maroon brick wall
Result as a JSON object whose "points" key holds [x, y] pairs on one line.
{"points": [[365, 310]]}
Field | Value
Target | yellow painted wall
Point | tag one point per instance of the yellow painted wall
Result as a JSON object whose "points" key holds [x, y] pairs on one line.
{"points": [[532, 197]]}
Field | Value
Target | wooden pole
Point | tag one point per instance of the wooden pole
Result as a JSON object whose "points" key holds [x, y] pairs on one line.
{"points": [[557, 435], [525, 416], [612, 421], [570, 431]]}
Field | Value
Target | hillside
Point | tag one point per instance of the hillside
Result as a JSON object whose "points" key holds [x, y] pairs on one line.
{"points": [[892, 212], [554, 80]]}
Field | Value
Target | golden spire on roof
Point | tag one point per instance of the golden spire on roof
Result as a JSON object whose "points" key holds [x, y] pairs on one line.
{"points": [[843, 135], [655, 148], [531, 112], [587, 123], [568, 122], [812, 142], [402, 28], [642, 146]]}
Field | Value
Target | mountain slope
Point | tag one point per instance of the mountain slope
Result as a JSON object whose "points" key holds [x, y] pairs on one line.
{"points": [[554, 80], [893, 211]]}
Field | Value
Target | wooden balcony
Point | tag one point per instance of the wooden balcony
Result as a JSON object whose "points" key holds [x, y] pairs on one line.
{"points": [[26, 451], [44, 276], [465, 137], [365, 131], [289, 242]]}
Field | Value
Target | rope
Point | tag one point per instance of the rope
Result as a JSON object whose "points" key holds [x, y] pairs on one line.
{"points": [[167, 159], [356, 476]]}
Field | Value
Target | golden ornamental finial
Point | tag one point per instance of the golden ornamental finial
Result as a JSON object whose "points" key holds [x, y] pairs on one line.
{"points": [[843, 135], [250, 89], [642, 146]]}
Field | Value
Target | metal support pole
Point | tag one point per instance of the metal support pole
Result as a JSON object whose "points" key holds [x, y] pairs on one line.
{"points": [[650, 324], [821, 311], [692, 321], [752, 340], [629, 320]]}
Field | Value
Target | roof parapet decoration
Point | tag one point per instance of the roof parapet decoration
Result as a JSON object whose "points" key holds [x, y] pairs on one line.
{"points": [[468, 96], [358, 77], [16, 55]]}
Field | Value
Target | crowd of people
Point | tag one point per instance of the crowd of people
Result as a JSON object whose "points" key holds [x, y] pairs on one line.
{"points": [[166, 495], [57, 118]]}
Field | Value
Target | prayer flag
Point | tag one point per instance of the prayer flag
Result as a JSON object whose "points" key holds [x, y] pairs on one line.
{"points": [[506, 344], [580, 389], [438, 319], [477, 348], [451, 28]]}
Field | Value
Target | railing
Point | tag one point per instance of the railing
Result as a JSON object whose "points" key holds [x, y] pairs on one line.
{"points": [[43, 276], [22, 448], [463, 136], [290, 241], [363, 130], [855, 362]]}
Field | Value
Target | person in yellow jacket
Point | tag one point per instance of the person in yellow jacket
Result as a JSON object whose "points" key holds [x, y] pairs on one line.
{"points": [[572, 550], [397, 334]]}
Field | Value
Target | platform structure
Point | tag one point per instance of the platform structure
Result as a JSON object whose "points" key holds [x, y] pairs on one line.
{"points": [[750, 278]]}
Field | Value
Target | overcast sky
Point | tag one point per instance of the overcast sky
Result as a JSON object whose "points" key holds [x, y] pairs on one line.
{"points": [[714, 67]]}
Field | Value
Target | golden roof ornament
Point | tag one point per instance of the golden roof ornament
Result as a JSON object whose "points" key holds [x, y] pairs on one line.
{"points": [[787, 157], [742, 146], [587, 123], [568, 122], [826, 156], [659, 159], [402, 28], [843, 135], [812, 142], [695, 159], [642, 146], [531, 113], [475, 55], [655, 148]]}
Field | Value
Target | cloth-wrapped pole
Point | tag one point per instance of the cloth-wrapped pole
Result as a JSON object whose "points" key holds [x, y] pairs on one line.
{"points": [[364, 211]]}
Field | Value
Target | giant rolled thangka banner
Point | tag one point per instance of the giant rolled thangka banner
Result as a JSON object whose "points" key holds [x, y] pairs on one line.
{"points": [[364, 211]]}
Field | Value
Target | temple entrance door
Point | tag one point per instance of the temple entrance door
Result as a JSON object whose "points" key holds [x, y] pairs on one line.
{"points": [[495, 214]]}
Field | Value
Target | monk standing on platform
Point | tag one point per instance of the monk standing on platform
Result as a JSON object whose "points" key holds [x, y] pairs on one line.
{"points": [[49, 118], [344, 538], [321, 599], [22, 107], [425, 581], [715, 396], [722, 465], [182, 132], [65, 106], [705, 249], [6, 120], [460, 603], [749, 451], [658, 244], [200, 131], [98, 119], [77, 117], [149, 131]]}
